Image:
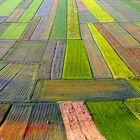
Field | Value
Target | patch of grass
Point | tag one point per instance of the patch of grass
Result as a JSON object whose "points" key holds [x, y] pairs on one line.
{"points": [[72, 21], [76, 65], [30, 12], [97, 11], [7, 7], [14, 31], [59, 27], [134, 106], [114, 120], [118, 68]]}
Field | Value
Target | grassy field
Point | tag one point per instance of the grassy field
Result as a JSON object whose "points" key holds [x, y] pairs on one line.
{"points": [[14, 31], [59, 26], [114, 120], [7, 7], [134, 106], [76, 64]]}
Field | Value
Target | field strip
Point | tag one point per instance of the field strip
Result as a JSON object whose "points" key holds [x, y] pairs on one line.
{"points": [[44, 8], [72, 21], [115, 14], [30, 12], [43, 30], [132, 29], [4, 27], [127, 54], [6, 76], [78, 122], [14, 31], [8, 6], [53, 60], [27, 51], [97, 62], [97, 11], [80, 5], [128, 13], [69, 90], [133, 105], [48, 59], [58, 60], [24, 4], [4, 108], [45, 123], [86, 17], [76, 64], [15, 123], [15, 15], [19, 85], [30, 29], [114, 120], [3, 18], [5, 46], [125, 39], [118, 68], [59, 25]]}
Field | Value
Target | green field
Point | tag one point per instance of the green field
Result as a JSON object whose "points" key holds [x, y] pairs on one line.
{"points": [[114, 120], [59, 27], [76, 65]]}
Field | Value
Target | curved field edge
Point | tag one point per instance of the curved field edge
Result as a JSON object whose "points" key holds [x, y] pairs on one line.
{"points": [[114, 120]]}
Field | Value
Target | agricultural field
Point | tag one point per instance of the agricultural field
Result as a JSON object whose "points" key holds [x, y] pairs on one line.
{"points": [[69, 69]]}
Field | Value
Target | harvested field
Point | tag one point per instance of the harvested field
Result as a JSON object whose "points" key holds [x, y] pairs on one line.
{"points": [[86, 16], [97, 63], [77, 90], [132, 29], [27, 51], [125, 39], [17, 82], [53, 60], [5, 46], [45, 123], [33, 121], [78, 122]]}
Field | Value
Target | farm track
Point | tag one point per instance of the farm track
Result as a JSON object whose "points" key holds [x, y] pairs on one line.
{"points": [[69, 69]]}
